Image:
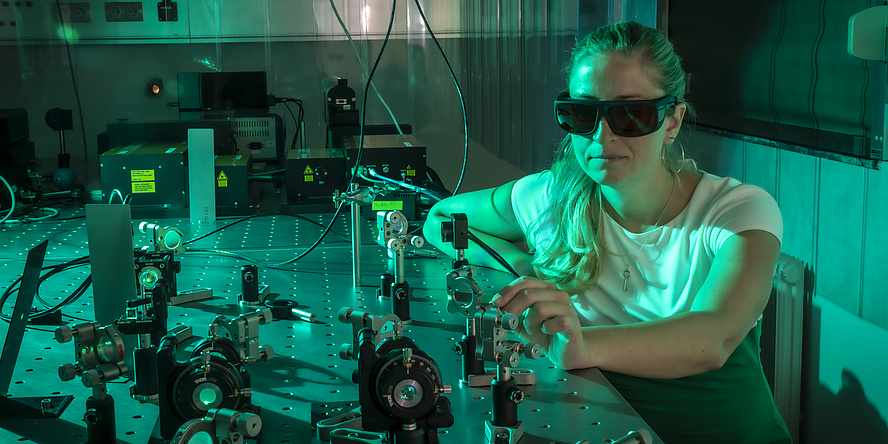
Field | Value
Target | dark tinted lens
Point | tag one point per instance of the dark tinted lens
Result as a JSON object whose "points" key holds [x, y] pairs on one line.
{"points": [[633, 119], [575, 118]]}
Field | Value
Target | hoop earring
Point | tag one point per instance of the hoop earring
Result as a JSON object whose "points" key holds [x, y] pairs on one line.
{"points": [[663, 156], [682, 164]]}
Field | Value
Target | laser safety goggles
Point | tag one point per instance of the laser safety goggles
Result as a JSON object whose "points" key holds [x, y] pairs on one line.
{"points": [[626, 118]]}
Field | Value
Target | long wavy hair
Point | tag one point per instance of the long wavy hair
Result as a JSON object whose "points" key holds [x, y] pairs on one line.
{"points": [[572, 259]]}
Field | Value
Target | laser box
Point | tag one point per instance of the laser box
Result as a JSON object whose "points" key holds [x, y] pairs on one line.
{"points": [[313, 176], [399, 157], [150, 173], [232, 190]]}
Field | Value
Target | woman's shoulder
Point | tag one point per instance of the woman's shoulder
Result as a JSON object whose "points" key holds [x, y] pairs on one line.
{"points": [[714, 189], [535, 181], [735, 206], [531, 197]]}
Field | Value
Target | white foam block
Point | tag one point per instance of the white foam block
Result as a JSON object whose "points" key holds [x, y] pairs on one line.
{"points": [[201, 170]]}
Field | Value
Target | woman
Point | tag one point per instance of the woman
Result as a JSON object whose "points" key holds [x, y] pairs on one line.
{"points": [[646, 268]]}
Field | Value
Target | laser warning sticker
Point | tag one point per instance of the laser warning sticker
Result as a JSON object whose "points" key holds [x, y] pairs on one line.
{"points": [[222, 179], [144, 187], [141, 175]]}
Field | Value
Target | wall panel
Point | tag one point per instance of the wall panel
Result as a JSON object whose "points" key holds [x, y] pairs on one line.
{"points": [[839, 234]]}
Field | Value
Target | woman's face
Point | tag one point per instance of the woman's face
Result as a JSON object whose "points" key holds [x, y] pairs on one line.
{"points": [[607, 158]]}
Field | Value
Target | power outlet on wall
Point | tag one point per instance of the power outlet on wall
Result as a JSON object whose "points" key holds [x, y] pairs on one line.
{"points": [[123, 12], [73, 13]]}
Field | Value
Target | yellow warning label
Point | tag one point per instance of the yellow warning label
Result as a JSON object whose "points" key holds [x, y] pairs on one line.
{"points": [[387, 205], [143, 187], [411, 172], [309, 178], [222, 183], [222, 176], [141, 175], [308, 170]]}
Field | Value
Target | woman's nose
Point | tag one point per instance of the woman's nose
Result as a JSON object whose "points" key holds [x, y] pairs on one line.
{"points": [[602, 131]]}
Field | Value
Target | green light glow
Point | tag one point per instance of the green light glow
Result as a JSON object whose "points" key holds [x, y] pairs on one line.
{"points": [[68, 33], [207, 396]]}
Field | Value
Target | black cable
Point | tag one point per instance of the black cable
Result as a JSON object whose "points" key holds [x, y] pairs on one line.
{"points": [[312, 247], [54, 269], [297, 120], [226, 226], [436, 179], [74, 84], [496, 256], [363, 110], [458, 91], [245, 218]]}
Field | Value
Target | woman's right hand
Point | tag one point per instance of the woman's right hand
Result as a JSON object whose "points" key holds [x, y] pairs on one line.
{"points": [[547, 318]]}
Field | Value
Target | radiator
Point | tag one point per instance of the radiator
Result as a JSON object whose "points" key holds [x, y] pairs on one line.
{"points": [[782, 339]]}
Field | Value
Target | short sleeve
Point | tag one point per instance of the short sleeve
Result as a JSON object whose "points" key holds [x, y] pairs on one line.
{"points": [[530, 203], [744, 207]]}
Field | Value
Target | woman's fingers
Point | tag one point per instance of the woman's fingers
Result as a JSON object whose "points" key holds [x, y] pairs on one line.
{"points": [[549, 317], [525, 292], [546, 315]]}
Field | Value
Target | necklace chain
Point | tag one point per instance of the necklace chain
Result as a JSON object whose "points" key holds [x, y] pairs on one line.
{"points": [[626, 273]]}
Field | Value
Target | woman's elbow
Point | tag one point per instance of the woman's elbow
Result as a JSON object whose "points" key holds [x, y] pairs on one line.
{"points": [[718, 355]]}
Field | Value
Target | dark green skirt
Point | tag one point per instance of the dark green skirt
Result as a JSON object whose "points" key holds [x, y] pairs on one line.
{"points": [[730, 405]]}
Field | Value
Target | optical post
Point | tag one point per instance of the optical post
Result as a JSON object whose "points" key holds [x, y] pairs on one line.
{"points": [[393, 227], [98, 359]]}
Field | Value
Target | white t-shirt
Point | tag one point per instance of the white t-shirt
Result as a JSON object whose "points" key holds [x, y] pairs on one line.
{"points": [[673, 259]]}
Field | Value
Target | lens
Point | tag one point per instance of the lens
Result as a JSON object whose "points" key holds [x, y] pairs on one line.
{"points": [[206, 396], [408, 392], [149, 277], [633, 120], [576, 118]]}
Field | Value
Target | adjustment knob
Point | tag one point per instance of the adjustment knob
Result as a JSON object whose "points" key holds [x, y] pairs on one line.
{"points": [[516, 396], [64, 334], [321, 173], [249, 424], [266, 352], [509, 321], [510, 358], [532, 351], [67, 372], [345, 314], [265, 316], [92, 417], [345, 351], [91, 378]]}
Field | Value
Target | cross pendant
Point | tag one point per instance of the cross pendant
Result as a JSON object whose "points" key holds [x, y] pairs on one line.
{"points": [[626, 279]]}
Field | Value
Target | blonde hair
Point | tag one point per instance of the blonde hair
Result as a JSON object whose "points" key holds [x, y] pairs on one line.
{"points": [[572, 259]]}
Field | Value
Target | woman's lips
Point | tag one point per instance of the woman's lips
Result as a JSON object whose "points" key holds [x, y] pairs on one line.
{"points": [[606, 158]]}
